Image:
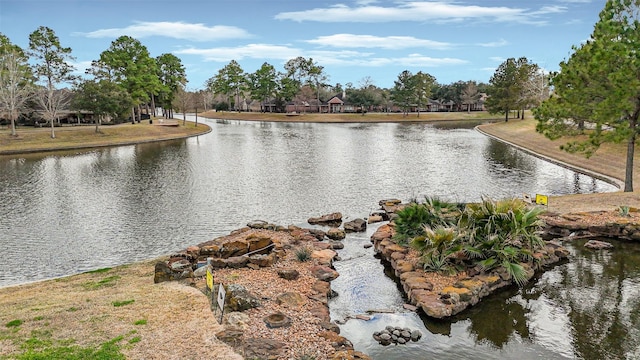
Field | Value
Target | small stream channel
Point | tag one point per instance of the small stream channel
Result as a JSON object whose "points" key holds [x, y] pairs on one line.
{"points": [[586, 308]]}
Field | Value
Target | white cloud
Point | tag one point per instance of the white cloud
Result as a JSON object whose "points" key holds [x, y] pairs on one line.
{"points": [[266, 52], [499, 43], [421, 11], [497, 59], [252, 51], [354, 58], [176, 30], [550, 10], [382, 42]]}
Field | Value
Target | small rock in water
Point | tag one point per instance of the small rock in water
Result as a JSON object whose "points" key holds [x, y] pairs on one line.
{"points": [[416, 335], [597, 245]]}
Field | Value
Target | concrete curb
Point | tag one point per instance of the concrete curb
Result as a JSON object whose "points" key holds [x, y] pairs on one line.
{"points": [[608, 179]]}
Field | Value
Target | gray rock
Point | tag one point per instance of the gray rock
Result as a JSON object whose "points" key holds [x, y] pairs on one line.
{"points": [[336, 245], [200, 272], [288, 274], [597, 245], [416, 335], [239, 298], [277, 320]]}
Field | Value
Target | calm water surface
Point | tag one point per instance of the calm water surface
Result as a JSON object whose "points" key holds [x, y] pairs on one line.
{"points": [[66, 213]]}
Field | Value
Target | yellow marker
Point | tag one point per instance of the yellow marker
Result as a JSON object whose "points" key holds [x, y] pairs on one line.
{"points": [[209, 279], [542, 199]]}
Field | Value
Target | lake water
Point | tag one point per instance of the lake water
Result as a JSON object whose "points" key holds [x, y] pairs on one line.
{"points": [[64, 213]]}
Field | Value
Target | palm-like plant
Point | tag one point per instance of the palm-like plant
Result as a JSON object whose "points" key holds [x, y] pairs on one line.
{"points": [[439, 248], [491, 234], [503, 234], [433, 212]]}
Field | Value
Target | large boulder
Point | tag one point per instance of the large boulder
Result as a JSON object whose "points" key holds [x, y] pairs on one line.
{"points": [[164, 273], [324, 273], [257, 242], [288, 274], [263, 260], [291, 300], [239, 298], [356, 225], [336, 234], [263, 349], [235, 247], [328, 219], [324, 257]]}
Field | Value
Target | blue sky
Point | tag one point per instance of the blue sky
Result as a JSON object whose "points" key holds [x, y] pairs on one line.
{"points": [[451, 40]]}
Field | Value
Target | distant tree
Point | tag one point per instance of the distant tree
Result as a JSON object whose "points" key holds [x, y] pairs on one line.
{"points": [[449, 94], [172, 76], [529, 79], [262, 84], [470, 94], [599, 85], [127, 62], [16, 80], [297, 71], [317, 78], [509, 86], [103, 98], [52, 67], [364, 95], [304, 96], [422, 84], [229, 81], [403, 91], [285, 91], [183, 101]]}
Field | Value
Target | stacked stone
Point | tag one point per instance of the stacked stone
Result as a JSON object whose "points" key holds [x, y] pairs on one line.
{"points": [[396, 335]]}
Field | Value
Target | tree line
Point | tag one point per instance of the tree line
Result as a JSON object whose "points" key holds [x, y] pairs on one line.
{"points": [[121, 81], [125, 79]]}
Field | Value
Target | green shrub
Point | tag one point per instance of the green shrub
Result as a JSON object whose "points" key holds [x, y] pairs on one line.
{"points": [[623, 210]]}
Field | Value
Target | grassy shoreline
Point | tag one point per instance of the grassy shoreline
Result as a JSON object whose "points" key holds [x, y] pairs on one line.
{"points": [[35, 140]]}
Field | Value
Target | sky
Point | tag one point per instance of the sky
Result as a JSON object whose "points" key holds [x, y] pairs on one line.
{"points": [[352, 39]]}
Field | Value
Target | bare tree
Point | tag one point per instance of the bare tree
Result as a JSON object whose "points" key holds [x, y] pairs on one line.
{"points": [[470, 94], [15, 83], [183, 102], [52, 68]]}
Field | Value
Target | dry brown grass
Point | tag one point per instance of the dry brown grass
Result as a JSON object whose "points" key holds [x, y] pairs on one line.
{"points": [[74, 137], [609, 160], [172, 321]]}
